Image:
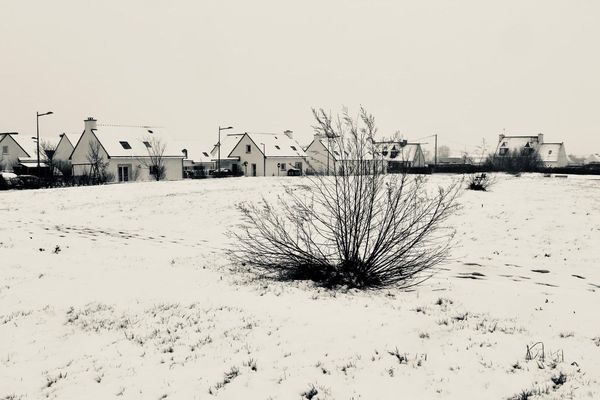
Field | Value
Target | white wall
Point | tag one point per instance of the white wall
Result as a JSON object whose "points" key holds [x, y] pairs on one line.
{"points": [[255, 156], [14, 152], [63, 149]]}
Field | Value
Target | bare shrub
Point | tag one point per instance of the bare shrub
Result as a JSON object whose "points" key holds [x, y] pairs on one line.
{"points": [[357, 227], [98, 172], [155, 160], [481, 182]]}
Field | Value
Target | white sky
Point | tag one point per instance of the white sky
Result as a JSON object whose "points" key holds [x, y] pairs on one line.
{"points": [[462, 69]]}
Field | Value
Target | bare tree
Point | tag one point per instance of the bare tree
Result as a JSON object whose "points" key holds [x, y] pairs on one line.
{"points": [[155, 160], [98, 165], [358, 227], [47, 154]]}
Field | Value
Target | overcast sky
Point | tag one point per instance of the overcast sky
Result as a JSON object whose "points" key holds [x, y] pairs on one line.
{"points": [[465, 70]]}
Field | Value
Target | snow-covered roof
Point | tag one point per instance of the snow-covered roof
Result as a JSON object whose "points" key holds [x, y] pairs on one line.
{"points": [[126, 141], [73, 138], [518, 142], [549, 151], [196, 151], [395, 151], [592, 159], [228, 143], [277, 145]]}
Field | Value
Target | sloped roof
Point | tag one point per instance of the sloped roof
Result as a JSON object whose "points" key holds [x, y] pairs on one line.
{"points": [[73, 138], [197, 151], [228, 143], [549, 152], [408, 152], [592, 159], [517, 142], [125, 141], [26, 146], [277, 145]]}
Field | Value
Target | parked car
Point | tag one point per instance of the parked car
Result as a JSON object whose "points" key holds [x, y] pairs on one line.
{"points": [[9, 180], [294, 171], [30, 181]]}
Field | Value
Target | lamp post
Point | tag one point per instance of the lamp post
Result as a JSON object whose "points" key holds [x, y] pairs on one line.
{"points": [[264, 160], [37, 123], [219, 148]]}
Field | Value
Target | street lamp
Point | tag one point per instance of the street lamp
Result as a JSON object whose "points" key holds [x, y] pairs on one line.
{"points": [[37, 121], [219, 149], [264, 160]]}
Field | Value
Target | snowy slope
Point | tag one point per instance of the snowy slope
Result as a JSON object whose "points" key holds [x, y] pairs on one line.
{"points": [[122, 291]]}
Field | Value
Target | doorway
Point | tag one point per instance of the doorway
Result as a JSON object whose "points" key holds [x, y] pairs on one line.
{"points": [[253, 169]]}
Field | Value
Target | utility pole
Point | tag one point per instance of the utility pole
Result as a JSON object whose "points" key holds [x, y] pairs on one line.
{"points": [[435, 159], [219, 149]]}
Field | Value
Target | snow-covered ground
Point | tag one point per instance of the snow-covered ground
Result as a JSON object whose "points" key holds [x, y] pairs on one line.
{"points": [[123, 291]]}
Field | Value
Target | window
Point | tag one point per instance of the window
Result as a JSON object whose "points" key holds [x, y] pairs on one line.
{"points": [[123, 172], [277, 147], [4, 150], [248, 149], [147, 144], [293, 148], [503, 151], [282, 166], [205, 154], [125, 145]]}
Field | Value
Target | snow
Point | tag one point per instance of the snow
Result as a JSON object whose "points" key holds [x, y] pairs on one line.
{"points": [[123, 291]]}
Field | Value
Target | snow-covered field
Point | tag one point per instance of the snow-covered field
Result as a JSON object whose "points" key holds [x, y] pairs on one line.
{"points": [[123, 291]]}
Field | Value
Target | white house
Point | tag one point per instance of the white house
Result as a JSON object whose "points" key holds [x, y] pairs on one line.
{"points": [[552, 154], [261, 154], [11, 151], [400, 154], [196, 158], [127, 150], [65, 146], [592, 159], [325, 156]]}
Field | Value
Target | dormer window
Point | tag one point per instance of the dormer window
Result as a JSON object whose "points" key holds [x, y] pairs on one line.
{"points": [[125, 145], [147, 144]]}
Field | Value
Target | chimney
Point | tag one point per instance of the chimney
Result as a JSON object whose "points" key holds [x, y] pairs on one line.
{"points": [[185, 153], [289, 133], [90, 124], [501, 137], [540, 138]]}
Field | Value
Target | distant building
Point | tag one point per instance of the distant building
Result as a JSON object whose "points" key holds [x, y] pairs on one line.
{"points": [[11, 151], [592, 159], [552, 155], [400, 154], [196, 157], [260, 154], [65, 146], [127, 150], [325, 156]]}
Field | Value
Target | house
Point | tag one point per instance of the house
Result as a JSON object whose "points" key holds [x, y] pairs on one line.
{"points": [[65, 146], [552, 155], [324, 156], [196, 158], [400, 154], [260, 154], [128, 153], [465, 159], [592, 159], [11, 151]]}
